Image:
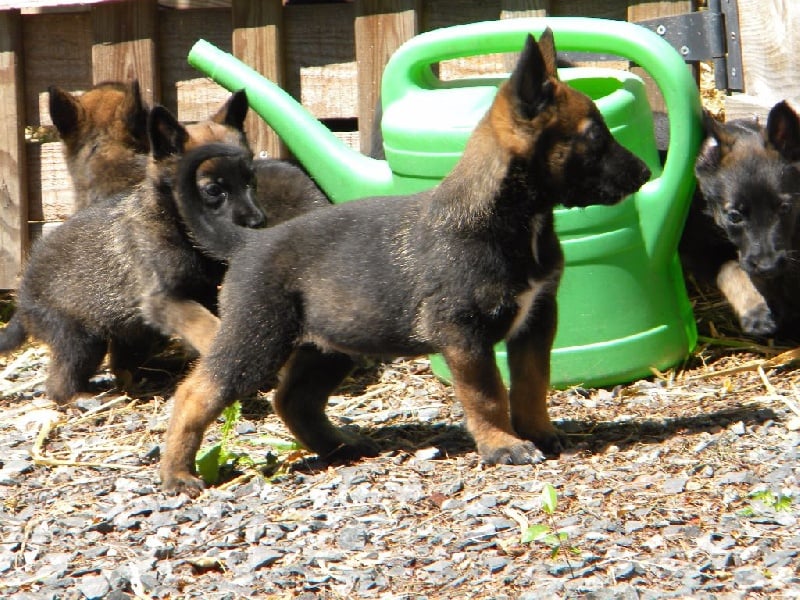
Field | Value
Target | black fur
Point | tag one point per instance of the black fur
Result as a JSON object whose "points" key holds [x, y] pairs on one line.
{"points": [[742, 231], [120, 276], [453, 270]]}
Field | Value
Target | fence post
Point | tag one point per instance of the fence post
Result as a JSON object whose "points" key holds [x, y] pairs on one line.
{"points": [[13, 178]]}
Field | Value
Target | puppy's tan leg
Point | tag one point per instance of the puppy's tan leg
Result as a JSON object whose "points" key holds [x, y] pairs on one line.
{"points": [[480, 390], [529, 365], [529, 368], [308, 379], [748, 304], [189, 319], [197, 403]]}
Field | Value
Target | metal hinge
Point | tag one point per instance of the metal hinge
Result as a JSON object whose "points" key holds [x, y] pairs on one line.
{"points": [[711, 34]]}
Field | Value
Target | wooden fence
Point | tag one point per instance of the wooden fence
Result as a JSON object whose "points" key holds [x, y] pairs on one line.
{"points": [[328, 55]]}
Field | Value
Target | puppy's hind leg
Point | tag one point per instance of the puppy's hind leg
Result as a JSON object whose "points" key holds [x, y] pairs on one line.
{"points": [[75, 357], [309, 378], [128, 353], [480, 390]]}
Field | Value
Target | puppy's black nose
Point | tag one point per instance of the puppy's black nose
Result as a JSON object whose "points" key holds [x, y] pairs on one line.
{"points": [[256, 220]]}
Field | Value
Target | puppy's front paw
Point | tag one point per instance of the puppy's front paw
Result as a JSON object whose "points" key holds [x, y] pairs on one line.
{"points": [[351, 447], [176, 483], [758, 321], [520, 453]]}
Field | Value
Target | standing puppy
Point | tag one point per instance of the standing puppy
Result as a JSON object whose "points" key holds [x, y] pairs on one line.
{"points": [[742, 230], [104, 133], [121, 276], [453, 270]]}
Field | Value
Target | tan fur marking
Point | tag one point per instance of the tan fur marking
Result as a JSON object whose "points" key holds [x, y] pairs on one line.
{"points": [[194, 410], [740, 292], [207, 132], [192, 321], [481, 392], [528, 396]]}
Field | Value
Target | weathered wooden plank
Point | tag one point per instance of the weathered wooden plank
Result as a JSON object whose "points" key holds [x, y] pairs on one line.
{"points": [[124, 47], [184, 90], [381, 27], [13, 179], [58, 52], [51, 197], [320, 63], [258, 42], [770, 37]]}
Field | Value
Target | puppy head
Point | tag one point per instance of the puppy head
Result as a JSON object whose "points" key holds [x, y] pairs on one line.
{"points": [[226, 126], [559, 134], [750, 180], [104, 132], [111, 112], [225, 186]]}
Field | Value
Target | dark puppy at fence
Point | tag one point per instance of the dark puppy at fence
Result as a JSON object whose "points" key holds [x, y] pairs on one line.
{"points": [[104, 135], [124, 275], [452, 270], [741, 233]]}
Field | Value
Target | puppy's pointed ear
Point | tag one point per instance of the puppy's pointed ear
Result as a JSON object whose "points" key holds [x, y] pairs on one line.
{"points": [[135, 111], [530, 82], [65, 111], [167, 135], [783, 131], [547, 46], [715, 145], [233, 112]]}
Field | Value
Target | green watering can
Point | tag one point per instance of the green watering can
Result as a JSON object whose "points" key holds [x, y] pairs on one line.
{"points": [[623, 307]]}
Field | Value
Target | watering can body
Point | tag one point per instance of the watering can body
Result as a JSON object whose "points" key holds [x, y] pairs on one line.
{"points": [[623, 307]]}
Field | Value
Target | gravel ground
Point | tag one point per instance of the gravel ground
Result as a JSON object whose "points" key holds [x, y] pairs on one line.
{"points": [[681, 486]]}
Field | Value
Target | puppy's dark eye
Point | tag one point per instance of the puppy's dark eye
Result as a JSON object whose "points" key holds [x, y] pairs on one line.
{"points": [[215, 194], [784, 208], [734, 216]]}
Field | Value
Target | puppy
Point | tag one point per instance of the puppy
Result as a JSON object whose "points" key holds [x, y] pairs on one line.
{"points": [[741, 232], [124, 275], [452, 270], [104, 135]]}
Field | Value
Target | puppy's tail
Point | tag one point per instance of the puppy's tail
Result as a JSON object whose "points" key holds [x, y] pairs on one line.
{"points": [[13, 335], [216, 235]]}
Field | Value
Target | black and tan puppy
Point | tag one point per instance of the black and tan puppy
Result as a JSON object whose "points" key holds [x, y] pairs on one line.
{"points": [[121, 276], [742, 230], [452, 270], [104, 133]]}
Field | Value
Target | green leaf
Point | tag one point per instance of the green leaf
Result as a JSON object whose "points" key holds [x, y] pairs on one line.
{"points": [[534, 533], [549, 499], [208, 463], [230, 417], [784, 503]]}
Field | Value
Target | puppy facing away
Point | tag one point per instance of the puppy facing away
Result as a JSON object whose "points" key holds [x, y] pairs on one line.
{"points": [[104, 135], [452, 270], [121, 276], [742, 232]]}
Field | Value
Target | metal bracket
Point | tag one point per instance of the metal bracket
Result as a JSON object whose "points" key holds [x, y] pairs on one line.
{"points": [[712, 34]]}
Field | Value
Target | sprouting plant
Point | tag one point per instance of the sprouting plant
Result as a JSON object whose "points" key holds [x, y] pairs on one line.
{"points": [[212, 459], [769, 500], [545, 534]]}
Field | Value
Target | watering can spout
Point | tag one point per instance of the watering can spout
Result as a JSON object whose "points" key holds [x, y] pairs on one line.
{"points": [[340, 171]]}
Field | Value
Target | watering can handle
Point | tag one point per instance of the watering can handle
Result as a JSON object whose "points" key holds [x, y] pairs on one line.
{"points": [[409, 69]]}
